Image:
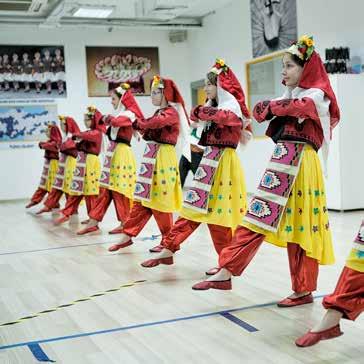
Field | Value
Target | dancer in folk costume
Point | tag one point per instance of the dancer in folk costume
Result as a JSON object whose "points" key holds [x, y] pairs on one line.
{"points": [[66, 165], [289, 208], [347, 301], [48, 70], [15, 71], [51, 156], [59, 74], [217, 195], [85, 179], [2, 71], [118, 174], [158, 190], [38, 72], [26, 72], [6, 72]]}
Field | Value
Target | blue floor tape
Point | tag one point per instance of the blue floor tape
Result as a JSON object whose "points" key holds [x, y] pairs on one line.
{"points": [[239, 322], [153, 237], [39, 354], [147, 324]]}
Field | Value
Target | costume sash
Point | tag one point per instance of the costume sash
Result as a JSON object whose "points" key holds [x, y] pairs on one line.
{"points": [[144, 181], [105, 172], [44, 176], [359, 240], [58, 182], [78, 179], [197, 195], [267, 206]]}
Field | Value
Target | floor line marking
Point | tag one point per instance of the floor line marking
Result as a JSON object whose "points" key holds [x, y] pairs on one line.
{"points": [[136, 326]]}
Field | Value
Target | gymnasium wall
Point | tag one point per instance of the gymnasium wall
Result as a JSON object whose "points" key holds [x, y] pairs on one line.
{"points": [[225, 34]]}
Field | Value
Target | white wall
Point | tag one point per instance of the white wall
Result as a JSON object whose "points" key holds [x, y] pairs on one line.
{"points": [[20, 170], [225, 34], [333, 23]]}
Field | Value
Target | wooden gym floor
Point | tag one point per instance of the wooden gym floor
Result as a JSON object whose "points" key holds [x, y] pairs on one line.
{"points": [[160, 320]]}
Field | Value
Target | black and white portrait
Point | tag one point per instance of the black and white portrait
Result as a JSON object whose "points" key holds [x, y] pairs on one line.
{"points": [[274, 25]]}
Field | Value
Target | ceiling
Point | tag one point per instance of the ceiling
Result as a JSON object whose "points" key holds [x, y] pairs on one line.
{"points": [[168, 14]]}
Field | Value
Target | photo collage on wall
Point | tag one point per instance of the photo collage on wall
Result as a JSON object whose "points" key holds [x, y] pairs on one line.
{"points": [[108, 67]]}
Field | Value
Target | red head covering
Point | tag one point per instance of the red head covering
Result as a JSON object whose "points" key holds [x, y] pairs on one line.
{"points": [[96, 119], [55, 134], [71, 126], [233, 98], [231, 84], [314, 75], [128, 100], [172, 94]]}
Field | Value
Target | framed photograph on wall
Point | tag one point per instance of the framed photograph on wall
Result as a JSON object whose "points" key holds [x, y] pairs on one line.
{"points": [[107, 67], [26, 123], [31, 72], [273, 25], [264, 82]]}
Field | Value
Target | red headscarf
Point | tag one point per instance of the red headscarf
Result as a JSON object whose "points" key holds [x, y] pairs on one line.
{"points": [[227, 81], [128, 100], [97, 122], [231, 84], [71, 126], [314, 75], [55, 134], [172, 94]]}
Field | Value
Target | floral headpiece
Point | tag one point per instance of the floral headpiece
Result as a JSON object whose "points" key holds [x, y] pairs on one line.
{"points": [[122, 88], [303, 48], [62, 119], [91, 111], [219, 66], [157, 82]]}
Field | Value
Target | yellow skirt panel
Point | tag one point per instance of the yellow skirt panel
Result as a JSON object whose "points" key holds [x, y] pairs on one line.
{"points": [[70, 166], [53, 167], [166, 192], [92, 177], [227, 199], [356, 260], [123, 171], [305, 220]]}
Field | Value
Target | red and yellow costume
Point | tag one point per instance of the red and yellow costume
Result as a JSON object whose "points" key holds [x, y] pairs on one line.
{"points": [[347, 300], [119, 171], [89, 143], [348, 296], [66, 169], [217, 196], [301, 121], [51, 150], [161, 132]]}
